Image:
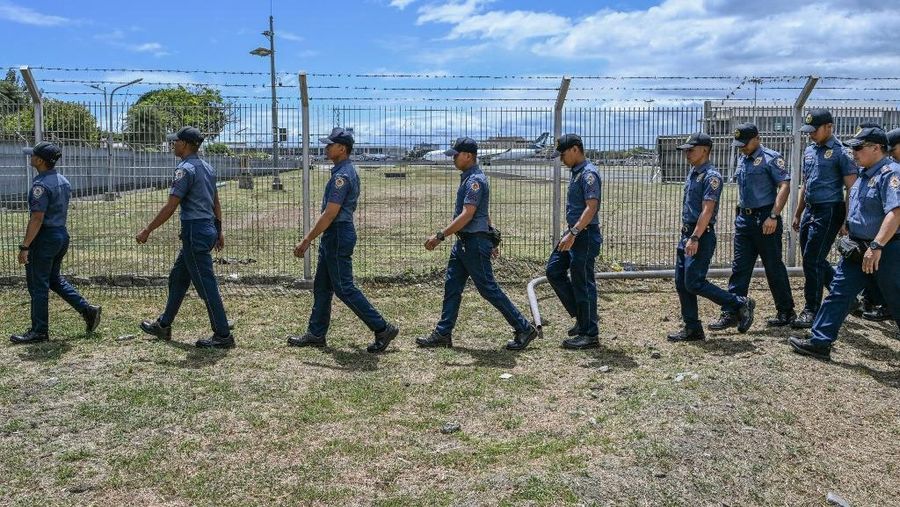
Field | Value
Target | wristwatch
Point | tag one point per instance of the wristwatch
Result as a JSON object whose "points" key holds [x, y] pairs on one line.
{"points": [[574, 231], [773, 216], [694, 237], [874, 245], [439, 235], [23, 248]]}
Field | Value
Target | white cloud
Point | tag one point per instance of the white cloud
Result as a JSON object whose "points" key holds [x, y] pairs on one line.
{"points": [[27, 16], [286, 35], [117, 38], [691, 37], [401, 4]]}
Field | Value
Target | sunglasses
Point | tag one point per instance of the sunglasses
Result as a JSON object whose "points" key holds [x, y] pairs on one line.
{"points": [[861, 146]]}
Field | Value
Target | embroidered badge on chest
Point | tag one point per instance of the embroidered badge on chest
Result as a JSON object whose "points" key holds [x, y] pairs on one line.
{"points": [[339, 182], [828, 153], [758, 161], [37, 192], [475, 186], [179, 173]]}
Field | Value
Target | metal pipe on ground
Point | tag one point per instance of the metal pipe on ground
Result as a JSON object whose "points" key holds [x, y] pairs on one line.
{"points": [[634, 275]]}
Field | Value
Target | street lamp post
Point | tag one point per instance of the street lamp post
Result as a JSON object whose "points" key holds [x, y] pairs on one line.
{"points": [[270, 52], [110, 188]]}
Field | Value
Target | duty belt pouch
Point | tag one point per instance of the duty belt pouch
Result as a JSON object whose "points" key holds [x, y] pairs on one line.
{"points": [[850, 250], [494, 236]]}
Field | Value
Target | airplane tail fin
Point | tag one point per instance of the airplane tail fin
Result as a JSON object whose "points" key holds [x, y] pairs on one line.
{"points": [[541, 141]]}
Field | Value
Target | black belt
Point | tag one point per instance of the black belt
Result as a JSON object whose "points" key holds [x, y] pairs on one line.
{"points": [[589, 227], [825, 205], [467, 235], [753, 211], [688, 228]]}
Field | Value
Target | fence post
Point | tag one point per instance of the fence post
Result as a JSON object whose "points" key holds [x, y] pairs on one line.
{"points": [[38, 101], [557, 173], [304, 136], [797, 164]]}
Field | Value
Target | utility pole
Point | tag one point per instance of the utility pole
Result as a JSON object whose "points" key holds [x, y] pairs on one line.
{"points": [[276, 133]]}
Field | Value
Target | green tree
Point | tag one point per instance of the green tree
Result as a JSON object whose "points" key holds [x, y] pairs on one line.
{"points": [[63, 121], [166, 110], [12, 92]]}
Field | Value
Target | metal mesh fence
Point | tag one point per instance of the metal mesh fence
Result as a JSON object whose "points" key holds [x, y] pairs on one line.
{"points": [[120, 180]]}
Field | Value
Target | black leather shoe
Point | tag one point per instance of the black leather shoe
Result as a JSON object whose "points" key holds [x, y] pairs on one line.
{"points": [[581, 342], [573, 331], [29, 337], [687, 335], [782, 319], [745, 315], [521, 340], [383, 338], [216, 342], [307, 340], [435, 339], [878, 314], [806, 347], [157, 329], [725, 321], [858, 307], [91, 317], [804, 320]]}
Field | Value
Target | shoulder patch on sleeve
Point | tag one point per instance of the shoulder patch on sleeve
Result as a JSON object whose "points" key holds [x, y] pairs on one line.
{"points": [[475, 186], [589, 179], [37, 191], [895, 182], [339, 181], [714, 182], [780, 162], [179, 173]]}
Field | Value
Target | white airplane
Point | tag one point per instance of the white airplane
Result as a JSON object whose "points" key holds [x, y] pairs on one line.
{"points": [[490, 155]]}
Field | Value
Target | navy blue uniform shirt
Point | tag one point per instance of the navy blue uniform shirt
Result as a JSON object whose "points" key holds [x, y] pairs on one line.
{"points": [[703, 183], [874, 195], [758, 177], [824, 168], [343, 188], [473, 189], [50, 193], [194, 183], [585, 184]]}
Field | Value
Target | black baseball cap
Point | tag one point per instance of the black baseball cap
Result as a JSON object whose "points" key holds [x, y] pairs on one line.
{"points": [[462, 145], [743, 134], [187, 134], [567, 141], [338, 136], [696, 139], [48, 151], [868, 134], [893, 138], [815, 119]]}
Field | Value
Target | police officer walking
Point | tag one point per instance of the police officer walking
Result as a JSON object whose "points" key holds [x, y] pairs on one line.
{"points": [[194, 189], [764, 189], [702, 191], [334, 271], [821, 207], [570, 269], [45, 245], [471, 254], [873, 249]]}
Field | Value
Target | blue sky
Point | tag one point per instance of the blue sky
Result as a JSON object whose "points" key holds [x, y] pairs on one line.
{"points": [[735, 38]]}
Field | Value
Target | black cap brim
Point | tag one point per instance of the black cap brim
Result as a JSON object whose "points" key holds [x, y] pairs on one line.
{"points": [[686, 146], [738, 144], [451, 152], [808, 129], [172, 137], [853, 142], [28, 151]]}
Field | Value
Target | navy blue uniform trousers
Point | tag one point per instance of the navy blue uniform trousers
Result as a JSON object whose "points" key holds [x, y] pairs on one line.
{"points": [[470, 257], [334, 276], [194, 265], [690, 280], [42, 274], [571, 274]]}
